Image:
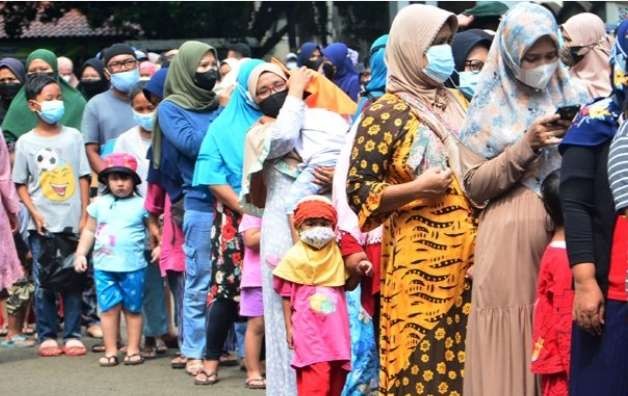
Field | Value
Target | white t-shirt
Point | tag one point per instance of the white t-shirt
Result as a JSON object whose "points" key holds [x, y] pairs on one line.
{"points": [[131, 142]]}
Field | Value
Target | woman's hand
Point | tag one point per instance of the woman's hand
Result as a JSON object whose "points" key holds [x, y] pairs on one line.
{"points": [[588, 304], [80, 263], [432, 183], [14, 222], [365, 267], [289, 337], [155, 254], [298, 81], [546, 130], [324, 177]]}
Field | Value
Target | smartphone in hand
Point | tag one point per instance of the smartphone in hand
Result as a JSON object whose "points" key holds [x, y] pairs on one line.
{"points": [[568, 113]]}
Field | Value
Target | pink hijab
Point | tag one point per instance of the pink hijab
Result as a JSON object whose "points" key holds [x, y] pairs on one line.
{"points": [[593, 71]]}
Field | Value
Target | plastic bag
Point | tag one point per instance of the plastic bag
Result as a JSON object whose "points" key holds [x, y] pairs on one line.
{"points": [[56, 263]]}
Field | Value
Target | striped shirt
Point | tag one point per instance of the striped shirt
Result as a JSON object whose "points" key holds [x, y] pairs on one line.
{"points": [[618, 168]]}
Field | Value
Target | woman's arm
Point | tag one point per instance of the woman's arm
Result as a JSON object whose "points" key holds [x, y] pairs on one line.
{"points": [[226, 195], [285, 131], [178, 130], [577, 195]]}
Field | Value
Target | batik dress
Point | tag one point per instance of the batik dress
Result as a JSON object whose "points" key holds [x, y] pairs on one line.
{"points": [[427, 249]]}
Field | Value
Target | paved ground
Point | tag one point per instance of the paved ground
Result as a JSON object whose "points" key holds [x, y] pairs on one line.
{"points": [[22, 372]]}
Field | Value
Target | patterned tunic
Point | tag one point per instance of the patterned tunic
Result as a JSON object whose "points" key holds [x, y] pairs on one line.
{"points": [[427, 249]]}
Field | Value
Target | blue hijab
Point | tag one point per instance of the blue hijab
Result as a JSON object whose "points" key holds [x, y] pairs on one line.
{"points": [[598, 122], [346, 77], [305, 52], [221, 155], [155, 86], [376, 87]]}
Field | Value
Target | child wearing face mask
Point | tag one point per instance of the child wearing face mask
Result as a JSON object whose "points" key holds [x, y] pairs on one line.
{"points": [[51, 173], [117, 224], [311, 279]]}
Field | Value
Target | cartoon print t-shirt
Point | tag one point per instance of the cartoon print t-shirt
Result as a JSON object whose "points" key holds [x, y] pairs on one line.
{"points": [[120, 233], [51, 167]]}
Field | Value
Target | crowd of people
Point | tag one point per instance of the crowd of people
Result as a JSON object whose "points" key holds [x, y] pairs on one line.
{"points": [[449, 219]]}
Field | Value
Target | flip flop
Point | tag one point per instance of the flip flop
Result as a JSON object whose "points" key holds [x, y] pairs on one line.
{"points": [[210, 378], [161, 346], [49, 350], [133, 360], [179, 362], [108, 361], [255, 383], [228, 360], [17, 341], [193, 366], [74, 348], [149, 352]]}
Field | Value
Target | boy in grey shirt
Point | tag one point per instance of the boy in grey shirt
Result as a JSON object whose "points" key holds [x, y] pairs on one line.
{"points": [[51, 173]]}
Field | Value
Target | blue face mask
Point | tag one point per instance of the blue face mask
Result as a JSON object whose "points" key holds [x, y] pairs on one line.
{"points": [[146, 121], [124, 81], [468, 81], [51, 111], [440, 62]]}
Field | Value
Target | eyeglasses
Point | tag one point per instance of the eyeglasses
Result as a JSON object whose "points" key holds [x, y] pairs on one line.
{"points": [[122, 65], [277, 86], [473, 65]]}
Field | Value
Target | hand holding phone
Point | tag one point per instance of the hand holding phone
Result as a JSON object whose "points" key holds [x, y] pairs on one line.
{"points": [[568, 113]]}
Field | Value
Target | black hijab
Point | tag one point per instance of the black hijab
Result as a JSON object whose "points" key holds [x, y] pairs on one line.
{"points": [[462, 45], [89, 89]]}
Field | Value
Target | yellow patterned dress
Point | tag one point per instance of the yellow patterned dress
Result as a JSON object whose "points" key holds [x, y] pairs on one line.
{"points": [[427, 249]]}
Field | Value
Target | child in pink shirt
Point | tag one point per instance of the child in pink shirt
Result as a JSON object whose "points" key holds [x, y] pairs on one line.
{"points": [[251, 302], [311, 279]]}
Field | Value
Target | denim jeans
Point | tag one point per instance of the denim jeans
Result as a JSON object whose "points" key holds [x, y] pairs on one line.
{"points": [[154, 304], [46, 307], [197, 247], [176, 282]]}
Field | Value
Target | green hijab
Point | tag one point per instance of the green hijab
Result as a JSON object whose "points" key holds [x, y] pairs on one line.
{"points": [[20, 119], [181, 89]]}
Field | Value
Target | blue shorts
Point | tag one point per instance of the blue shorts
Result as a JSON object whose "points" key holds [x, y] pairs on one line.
{"points": [[113, 288]]}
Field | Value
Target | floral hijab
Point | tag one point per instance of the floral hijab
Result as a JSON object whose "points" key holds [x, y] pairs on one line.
{"points": [[503, 107]]}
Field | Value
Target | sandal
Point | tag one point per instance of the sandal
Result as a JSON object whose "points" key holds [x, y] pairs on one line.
{"points": [[17, 341], [74, 347], [108, 361], [179, 362], [205, 378], [133, 360], [228, 360], [161, 346], [94, 331], [4, 331], [255, 383], [49, 348], [149, 352], [28, 330], [193, 366]]}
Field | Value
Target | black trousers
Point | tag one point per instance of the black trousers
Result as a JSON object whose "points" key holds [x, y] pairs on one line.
{"points": [[222, 314]]}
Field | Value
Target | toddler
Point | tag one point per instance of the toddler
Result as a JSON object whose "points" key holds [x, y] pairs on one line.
{"points": [[551, 334], [117, 225], [311, 280]]}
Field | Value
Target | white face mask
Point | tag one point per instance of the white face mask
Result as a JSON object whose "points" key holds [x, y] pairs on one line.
{"points": [[538, 77], [66, 77], [317, 237]]}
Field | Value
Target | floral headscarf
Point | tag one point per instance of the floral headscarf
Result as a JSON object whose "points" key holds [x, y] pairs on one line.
{"points": [[503, 107]]}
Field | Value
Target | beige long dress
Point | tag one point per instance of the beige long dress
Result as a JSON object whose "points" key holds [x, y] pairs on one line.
{"points": [[511, 238]]}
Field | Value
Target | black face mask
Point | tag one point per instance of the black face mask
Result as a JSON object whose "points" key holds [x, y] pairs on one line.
{"points": [[91, 88], [29, 77], [272, 104], [9, 90], [569, 55], [206, 80], [329, 71], [313, 64]]}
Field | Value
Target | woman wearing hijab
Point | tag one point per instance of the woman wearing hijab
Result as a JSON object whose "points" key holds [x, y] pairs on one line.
{"points": [[219, 167], [12, 76], [597, 254], [92, 80], [586, 52], [310, 55], [183, 117], [512, 125], [376, 86], [20, 119], [400, 176], [470, 52], [343, 73], [357, 247], [229, 69]]}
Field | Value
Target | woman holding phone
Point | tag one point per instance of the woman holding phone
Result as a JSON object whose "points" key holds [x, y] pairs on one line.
{"points": [[512, 123]]}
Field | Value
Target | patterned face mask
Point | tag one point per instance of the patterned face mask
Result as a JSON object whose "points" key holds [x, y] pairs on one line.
{"points": [[317, 237]]}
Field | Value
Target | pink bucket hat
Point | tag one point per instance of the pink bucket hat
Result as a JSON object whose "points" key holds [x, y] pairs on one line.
{"points": [[119, 163]]}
